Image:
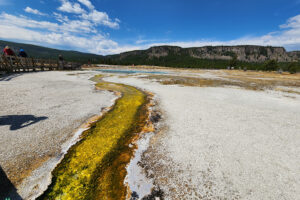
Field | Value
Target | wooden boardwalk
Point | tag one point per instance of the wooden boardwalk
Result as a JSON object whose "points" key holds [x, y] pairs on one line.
{"points": [[20, 64]]}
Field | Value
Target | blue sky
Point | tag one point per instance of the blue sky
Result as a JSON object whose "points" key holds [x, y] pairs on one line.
{"points": [[113, 26]]}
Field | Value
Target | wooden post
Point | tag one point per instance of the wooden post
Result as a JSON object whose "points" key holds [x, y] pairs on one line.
{"points": [[4, 66], [21, 61], [27, 63], [10, 64], [33, 64], [17, 63], [1, 64], [50, 65], [42, 63]]}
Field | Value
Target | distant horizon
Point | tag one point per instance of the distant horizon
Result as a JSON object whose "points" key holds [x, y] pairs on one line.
{"points": [[109, 27], [148, 47]]}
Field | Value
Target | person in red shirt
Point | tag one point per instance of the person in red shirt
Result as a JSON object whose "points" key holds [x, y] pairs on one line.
{"points": [[8, 52]]}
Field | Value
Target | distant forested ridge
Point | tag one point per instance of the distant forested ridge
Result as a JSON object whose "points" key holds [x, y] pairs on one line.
{"points": [[49, 53], [208, 57]]}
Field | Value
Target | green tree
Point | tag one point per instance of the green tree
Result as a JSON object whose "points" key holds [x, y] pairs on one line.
{"points": [[271, 65], [233, 62], [292, 68]]}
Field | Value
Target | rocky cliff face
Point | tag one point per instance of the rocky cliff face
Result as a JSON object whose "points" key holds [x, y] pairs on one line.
{"points": [[295, 55], [245, 53]]}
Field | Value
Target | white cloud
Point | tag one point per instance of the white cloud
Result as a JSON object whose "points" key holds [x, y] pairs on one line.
{"points": [[119, 49], [95, 44], [80, 32], [78, 25], [287, 36], [23, 21], [61, 18], [293, 22], [87, 3], [142, 41], [100, 18], [94, 16], [75, 26], [33, 11], [75, 34], [69, 7]]}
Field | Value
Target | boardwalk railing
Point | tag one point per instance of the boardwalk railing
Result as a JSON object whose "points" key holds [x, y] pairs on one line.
{"points": [[18, 64]]}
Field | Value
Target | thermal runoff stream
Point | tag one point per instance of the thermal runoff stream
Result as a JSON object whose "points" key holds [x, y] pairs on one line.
{"points": [[95, 167]]}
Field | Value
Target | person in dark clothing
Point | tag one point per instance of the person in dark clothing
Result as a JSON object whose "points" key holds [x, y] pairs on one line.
{"points": [[60, 58], [8, 52], [61, 62], [22, 53]]}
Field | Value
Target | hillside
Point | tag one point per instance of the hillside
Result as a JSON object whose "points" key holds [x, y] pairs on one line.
{"points": [[49, 53], [294, 54], [245, 53], [210, 57]]}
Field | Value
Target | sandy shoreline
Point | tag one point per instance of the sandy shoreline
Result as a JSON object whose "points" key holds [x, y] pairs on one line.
{"points": [[53, 105]]}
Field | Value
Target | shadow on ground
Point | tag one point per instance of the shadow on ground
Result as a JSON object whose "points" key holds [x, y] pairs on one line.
{"points": [[7, 189], [19, 121], [8, 77]]}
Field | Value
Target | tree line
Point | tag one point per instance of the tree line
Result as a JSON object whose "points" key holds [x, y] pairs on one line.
{"points": [[186, 61]]}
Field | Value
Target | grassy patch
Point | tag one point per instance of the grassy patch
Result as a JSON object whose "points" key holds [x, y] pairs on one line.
{"points": [[249, 80]]}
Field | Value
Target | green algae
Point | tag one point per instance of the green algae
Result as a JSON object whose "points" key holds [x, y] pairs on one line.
{"points": [[94, 168]]}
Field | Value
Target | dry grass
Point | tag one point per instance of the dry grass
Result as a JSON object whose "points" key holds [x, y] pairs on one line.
{"points": [[246, 80]]}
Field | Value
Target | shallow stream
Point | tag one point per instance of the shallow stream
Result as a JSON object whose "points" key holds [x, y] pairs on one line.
{"points": [[95, 167]]}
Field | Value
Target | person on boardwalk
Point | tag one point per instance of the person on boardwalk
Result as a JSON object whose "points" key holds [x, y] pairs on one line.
{"points": [[22, 53], [8, 52], [61, 62], [61, 58]]}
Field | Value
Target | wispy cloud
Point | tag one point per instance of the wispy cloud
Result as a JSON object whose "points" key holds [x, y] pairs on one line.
{"points": [[293, 22], [61, 18], [71, 26], [87, 3], [79, 31], [69, 7], [34, 11], [288, 36], [147, 41], [100, 18], [94, 16], [95, 44]]}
